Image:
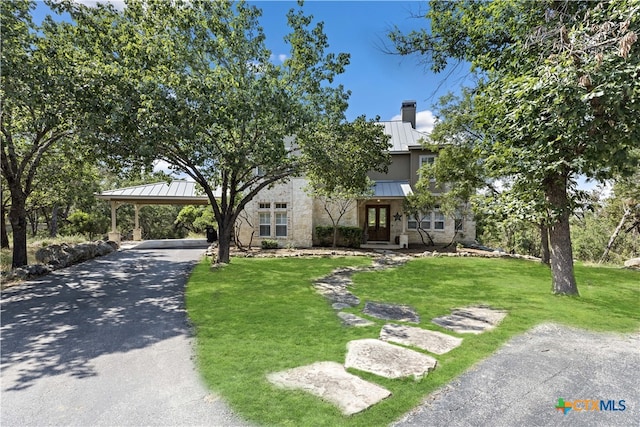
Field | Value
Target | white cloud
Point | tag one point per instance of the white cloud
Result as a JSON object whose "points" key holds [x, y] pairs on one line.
{"points": [[425, 120], [282, 57]]}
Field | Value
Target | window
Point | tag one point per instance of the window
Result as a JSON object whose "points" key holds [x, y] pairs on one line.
{"points": [[260, 171], [427, 160], [281, 206], [458, 221], [264, 205], [425, 222], [265, 224], [438, 221], [281, 224]]}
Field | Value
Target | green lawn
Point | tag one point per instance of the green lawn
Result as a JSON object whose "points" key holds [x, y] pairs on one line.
{"points": [[257, 316]]}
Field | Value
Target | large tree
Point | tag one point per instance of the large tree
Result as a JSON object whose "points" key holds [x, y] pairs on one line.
{"points": [[38, 89], [193, 83], [559, 92]]}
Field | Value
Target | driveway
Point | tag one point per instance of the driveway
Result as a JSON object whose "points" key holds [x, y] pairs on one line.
{"points": [[521, 383], [105, 342]]}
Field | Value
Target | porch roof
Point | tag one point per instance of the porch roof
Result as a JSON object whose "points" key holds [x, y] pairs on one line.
{"points": [[391, 189]]}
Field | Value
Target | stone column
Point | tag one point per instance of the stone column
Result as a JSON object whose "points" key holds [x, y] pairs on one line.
{"points": [[113, 234], [137, 231]]}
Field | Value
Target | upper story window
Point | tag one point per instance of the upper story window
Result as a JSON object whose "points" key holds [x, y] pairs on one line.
{"points": [[264, 205], [281, 206], [426, 159]]}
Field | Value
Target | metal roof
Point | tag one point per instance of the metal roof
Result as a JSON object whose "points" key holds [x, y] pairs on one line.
{"points": [[403, 136], [175, 192], [391, 189]]}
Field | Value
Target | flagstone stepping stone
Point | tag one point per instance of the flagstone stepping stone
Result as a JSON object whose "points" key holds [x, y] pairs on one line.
{"points": [[402, 313], [349, 319], [471, 320], [337, 294], [431, 341], [387, 360], [331, 382]]}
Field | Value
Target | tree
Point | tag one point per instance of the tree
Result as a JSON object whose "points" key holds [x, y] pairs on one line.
{"points": [[192, 83], [337, 164], [38, 89], [559, 92], [626, 197]]}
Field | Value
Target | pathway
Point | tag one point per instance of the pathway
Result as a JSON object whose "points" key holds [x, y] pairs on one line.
{"points": [[385, 356]]}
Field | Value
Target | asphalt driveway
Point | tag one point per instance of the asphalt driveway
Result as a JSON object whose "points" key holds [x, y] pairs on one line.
{"points": [[105, 342]]}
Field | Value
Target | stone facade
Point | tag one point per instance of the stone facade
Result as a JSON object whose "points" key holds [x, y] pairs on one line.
{"points": [[287, 214]]}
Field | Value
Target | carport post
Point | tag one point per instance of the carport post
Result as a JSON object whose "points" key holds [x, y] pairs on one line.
{"points": [[137, 231], [114, 235]]}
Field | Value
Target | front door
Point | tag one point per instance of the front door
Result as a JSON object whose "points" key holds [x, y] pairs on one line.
{"points": [[378, 222]]}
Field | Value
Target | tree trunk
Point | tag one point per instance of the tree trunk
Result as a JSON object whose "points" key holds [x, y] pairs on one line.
{"points": [[18, 218], [335, 236], [563, 279], [225, 228], [4, 237], [545, 256], [53, 228], [627, 212]]}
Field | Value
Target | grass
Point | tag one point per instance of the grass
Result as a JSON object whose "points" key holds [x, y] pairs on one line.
{"points": [[257, 316]]}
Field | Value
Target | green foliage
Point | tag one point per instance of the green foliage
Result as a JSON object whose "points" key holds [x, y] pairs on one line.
{"points": [[254, 311], [350, 237], [195, 218], [88, 224], [558, 95], [193, 83], [270, 244]]}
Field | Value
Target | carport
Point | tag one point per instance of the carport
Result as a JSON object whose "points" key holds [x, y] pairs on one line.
{"points": [[177, 192]]}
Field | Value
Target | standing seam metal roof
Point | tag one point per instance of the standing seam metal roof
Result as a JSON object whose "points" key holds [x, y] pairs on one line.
{"points": [[403, 136], [175, 190]]}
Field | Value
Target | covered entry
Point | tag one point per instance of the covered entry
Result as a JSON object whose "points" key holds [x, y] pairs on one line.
{"points": [[177, 192], [382, 216], [378, 222]]}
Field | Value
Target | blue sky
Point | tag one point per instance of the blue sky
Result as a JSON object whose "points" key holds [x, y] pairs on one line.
{"points": [[379, 81]]}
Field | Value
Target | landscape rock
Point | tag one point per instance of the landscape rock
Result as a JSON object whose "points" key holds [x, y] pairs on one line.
{"points": [[64, 255], [402, 313], [632, 263], [331, 382], [27, 272], [471, 320], [431, 341], [387, 360], [349, 319]]}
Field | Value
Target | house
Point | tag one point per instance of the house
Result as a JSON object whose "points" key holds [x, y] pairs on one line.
{"points": [[288, 214]]}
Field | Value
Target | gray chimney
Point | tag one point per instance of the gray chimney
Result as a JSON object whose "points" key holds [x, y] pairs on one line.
{"points": [[408, 112]]}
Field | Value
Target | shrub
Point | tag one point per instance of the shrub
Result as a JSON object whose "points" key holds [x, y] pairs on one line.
{"points": [[350, 237], [269, 244]]}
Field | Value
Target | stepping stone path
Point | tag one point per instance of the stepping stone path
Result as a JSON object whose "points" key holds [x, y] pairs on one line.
{"points": [[431, 341], [387, 360], [350, 393], [471, 320], [349, 319], [331, 382], [401, 313]]}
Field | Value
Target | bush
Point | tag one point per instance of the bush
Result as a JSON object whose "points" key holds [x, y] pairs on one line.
{"points": [[350, 237], [269, 244]]}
